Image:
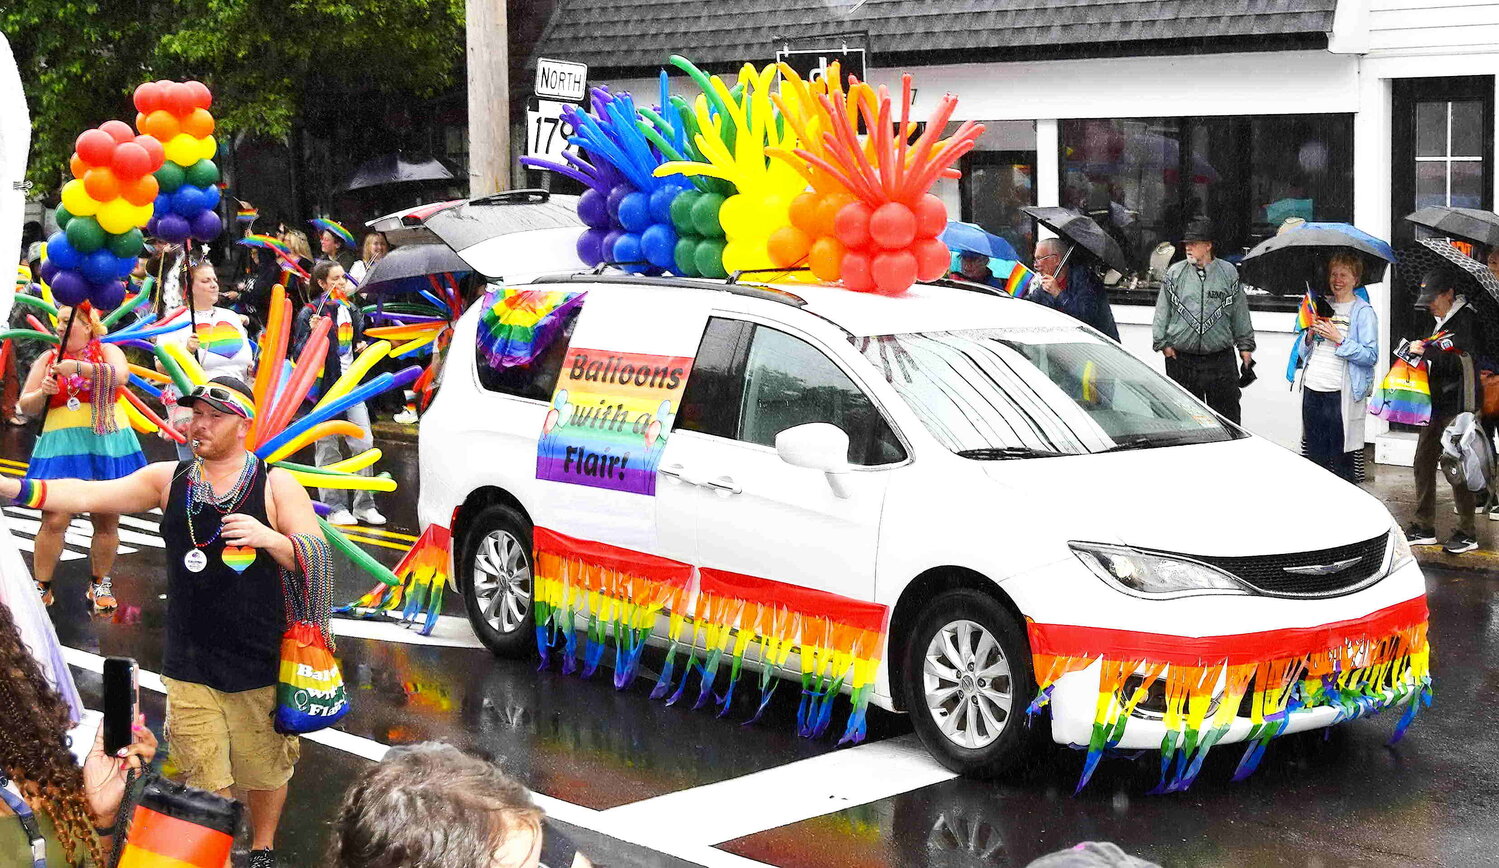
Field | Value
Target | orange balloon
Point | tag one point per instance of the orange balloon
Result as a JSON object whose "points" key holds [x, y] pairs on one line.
{"points": [[78, 167], [101, 184], [161, 125], [803, 211], [141, 191], [827, 212], [140, 119], [788, 246], [198, 123], [826, 258]]}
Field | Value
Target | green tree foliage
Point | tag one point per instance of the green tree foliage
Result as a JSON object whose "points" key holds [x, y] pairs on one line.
{"points": [[265, 60]]}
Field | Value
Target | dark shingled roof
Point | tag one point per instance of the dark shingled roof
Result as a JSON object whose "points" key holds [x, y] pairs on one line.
{"points": [[620, 36]]}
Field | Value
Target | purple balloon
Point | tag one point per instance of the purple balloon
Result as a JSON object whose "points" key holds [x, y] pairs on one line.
{"points": [[607, 247], [591, 245], [617, 194], [207, 225], [593, 209], [49, 269], [173, 228], [70, 288], [108, 296]]}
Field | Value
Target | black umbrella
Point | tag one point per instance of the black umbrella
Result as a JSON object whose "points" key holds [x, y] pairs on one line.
{"points": [[1082, 231], [1296, 259], [1469, 224], [413, 260], [395, 168], [1481, 286]]}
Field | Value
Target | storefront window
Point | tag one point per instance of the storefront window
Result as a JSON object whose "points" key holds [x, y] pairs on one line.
{"points": [[1449, 153], [1144, 178]]}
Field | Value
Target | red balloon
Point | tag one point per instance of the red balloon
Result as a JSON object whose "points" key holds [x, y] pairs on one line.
{"points": [[827, 211], [858, 271], [101, 184], [118, 130], [96, 147], [788, 246], [153, 148], [141, 191], [77, 166], [202, 96], [131, 161], [852, 224], [932, 258], [894, 271], [148, 97], [931, 216], [826, 258], [180, 99], [892, 226], [803, 211]]}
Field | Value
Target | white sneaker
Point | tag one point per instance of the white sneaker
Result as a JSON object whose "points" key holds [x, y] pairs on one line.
{"points": [[370, 516], [405, 417], [341, 516]]}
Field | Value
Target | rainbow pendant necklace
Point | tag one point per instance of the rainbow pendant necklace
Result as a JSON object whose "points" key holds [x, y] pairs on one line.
{"points": [[200, 499]]}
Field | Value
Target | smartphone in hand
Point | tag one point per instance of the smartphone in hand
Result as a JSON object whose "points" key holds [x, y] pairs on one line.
{"points": [[121, 703]]}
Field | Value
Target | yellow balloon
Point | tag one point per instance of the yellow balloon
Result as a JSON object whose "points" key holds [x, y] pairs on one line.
{"points": [[77, 200], [207, 147], [743, 255], [182, 149], [117, 216], [357, 483], [141, 215], [185, 361]]}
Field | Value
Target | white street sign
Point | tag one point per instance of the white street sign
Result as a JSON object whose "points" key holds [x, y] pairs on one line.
{"points": [[547, 132], [561, 79]]}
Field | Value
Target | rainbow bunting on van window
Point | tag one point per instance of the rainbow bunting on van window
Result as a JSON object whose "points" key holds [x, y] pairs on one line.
{"points": [[518, 324], [1360, 667], [1019, 281], [603, 591]]}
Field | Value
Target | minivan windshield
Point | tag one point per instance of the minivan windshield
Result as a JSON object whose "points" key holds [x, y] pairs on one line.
{"points": [[1036, 392]]}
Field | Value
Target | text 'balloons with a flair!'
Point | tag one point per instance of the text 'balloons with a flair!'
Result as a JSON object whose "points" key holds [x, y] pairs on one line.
{"points": [[176, 114], [102, 213]]}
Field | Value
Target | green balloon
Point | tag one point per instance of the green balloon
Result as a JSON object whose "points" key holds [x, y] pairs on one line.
{"points": [[681, 211], [705, 215], [685, 256], [62, 215], [203, 174], [170, 176], [709, 258], [128, 244], [85, 234]]}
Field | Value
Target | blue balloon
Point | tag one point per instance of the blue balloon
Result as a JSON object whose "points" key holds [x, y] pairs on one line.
{"points": [[61, 254], [210, 196], [162, 205], [124, 265], [627, 249], [607, 246], [635, 212], [99, 266], [617, 193], [590, 245], [661, 201], [593, 209], [187, 201], [659, 243]]}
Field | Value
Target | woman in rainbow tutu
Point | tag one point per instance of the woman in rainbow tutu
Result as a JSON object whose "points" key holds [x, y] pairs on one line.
{"points": [[86, 435]]}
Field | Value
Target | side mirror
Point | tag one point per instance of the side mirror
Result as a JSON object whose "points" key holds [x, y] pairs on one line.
{"points": [[817, 446]]}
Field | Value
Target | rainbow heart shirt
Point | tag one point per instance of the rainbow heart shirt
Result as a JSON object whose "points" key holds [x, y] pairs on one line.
{"points": [[238, 558], [220, 338]]}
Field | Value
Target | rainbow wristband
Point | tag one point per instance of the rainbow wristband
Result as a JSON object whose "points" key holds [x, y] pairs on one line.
{"points": [[33, 493]]}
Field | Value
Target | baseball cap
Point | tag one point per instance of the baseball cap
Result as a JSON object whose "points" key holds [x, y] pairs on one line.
{"points": [[1435, 282], [225, 394]]}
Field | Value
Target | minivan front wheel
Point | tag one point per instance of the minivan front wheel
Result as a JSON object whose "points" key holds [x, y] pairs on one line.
{"points": [[968, 682], [497, 581]]}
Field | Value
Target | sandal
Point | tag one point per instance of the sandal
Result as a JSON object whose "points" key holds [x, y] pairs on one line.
{"points": [[45, 589], [101, 594]]}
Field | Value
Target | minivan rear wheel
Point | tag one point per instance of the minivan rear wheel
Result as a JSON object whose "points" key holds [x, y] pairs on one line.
{"points": [[497, 580], [968, 681]]}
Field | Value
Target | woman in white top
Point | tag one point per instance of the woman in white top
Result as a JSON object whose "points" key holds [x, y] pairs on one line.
{"points": [[220, 343], [1339, 352], [370, 251]]}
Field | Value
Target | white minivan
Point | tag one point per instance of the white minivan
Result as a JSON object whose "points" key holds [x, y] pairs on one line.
{"points": [[976, 503]]}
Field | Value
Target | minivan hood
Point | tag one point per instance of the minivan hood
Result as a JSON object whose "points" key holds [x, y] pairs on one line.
{"points": [[1235, 498]]}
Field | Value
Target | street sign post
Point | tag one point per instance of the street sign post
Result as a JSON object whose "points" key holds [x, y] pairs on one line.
{"points": [[812, 64], [546, 131], [561, 80]]}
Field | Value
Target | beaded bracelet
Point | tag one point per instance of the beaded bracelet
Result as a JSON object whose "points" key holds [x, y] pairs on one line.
{"points": [[33, 493], [102, 398]]}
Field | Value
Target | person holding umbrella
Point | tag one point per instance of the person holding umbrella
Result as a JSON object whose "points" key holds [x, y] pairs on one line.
{"points": [[1338, 351], [976, 248], [1071, 287], [1201, 318]]}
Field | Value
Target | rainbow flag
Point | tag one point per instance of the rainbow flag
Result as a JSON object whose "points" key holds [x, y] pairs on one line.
{"points": [[246, 214], [517, 324], [1306, 314], [1019, 280]]}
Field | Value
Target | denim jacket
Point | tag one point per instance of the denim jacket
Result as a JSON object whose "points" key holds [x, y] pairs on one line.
{"points": [[1360, 348]]}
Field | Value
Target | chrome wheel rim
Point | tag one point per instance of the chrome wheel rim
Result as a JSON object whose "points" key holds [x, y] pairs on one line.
{"points": [[502, 581], [967, 684]]}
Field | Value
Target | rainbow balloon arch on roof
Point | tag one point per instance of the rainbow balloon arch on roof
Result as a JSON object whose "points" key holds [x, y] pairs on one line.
{"points": [[746, 179]]}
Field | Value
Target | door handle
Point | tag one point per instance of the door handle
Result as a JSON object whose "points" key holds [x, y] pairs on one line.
{"points": [[725, 484], [675, 471]]}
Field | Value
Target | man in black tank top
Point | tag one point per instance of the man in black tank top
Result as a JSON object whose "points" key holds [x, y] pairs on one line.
{"points": [[229, 523]]}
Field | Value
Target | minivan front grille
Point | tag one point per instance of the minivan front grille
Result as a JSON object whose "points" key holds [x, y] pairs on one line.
{"points": [[1321, 573]]}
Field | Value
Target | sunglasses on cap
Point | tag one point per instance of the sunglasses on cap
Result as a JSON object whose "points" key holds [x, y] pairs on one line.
{"points": [[225, 399]]}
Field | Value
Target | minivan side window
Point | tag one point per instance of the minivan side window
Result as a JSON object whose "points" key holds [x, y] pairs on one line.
{"points": [[537, 378], [789, 382], [710, 402]]}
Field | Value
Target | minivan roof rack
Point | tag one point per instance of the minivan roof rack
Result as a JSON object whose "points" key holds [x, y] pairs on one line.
{"points": [[513, 197], [764, 293], [954, 283]]}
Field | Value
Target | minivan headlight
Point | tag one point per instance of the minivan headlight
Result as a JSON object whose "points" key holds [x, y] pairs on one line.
{"points": [[1400, 550], [1137, 572]]}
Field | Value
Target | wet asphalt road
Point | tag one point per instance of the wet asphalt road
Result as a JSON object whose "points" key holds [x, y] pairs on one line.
{"points": [[619, 762]]}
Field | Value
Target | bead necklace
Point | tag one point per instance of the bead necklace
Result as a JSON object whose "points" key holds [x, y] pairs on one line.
{"points": [[200, 496]]}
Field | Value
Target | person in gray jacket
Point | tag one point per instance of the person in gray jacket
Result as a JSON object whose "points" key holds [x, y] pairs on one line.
{"points": [[1201, 318]]}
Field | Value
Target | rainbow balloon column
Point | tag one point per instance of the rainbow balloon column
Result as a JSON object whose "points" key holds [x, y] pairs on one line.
{"points": [[607, 185], [176, 113], [103, 209]]}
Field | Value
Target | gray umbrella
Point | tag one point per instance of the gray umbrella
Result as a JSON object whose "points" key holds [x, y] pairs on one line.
{"points": [[412, 260], [395, 168], [1474, 269], [1469, 224], [1082, 231]]}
